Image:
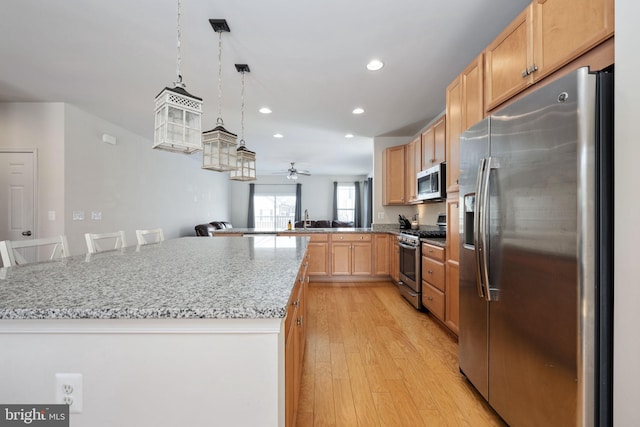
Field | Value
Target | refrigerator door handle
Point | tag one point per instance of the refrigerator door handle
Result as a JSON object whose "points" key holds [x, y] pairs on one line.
{"points": [[477, 240], [489, 164]]}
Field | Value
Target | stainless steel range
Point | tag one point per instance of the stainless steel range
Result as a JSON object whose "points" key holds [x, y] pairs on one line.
{"points": [[410, 284]]}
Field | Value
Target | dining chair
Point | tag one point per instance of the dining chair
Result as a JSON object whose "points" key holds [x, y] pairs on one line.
{"points": [[115, 239], [149, 236], [9, 250]]}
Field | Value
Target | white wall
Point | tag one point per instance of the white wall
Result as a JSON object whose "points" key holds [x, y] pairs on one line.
{"points": [[317, 194], [627, 214], [40, 126], [132, 185]]}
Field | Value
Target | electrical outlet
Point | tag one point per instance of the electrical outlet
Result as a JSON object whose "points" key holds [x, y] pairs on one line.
{"points": [[68, 391], [78, 215], [380, 215]]}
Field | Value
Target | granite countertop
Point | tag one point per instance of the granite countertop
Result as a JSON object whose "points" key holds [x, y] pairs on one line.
{"points": [[189, 277], [252, 231], [377, 228]]}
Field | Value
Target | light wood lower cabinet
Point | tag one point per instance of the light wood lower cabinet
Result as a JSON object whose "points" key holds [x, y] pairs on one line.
{"points": [[351, 254], [381, 254], [295, 327], [433, 280], [452, 309], [394, 259], [318, 251]]}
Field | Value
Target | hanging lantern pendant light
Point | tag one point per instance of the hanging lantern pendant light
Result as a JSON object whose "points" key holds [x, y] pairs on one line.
{"points": [[219, 145], [246, 159], [178, 113]]}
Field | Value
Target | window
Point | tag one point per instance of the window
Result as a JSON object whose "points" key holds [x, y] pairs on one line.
{"points": [[274, 211], [346, 202]]}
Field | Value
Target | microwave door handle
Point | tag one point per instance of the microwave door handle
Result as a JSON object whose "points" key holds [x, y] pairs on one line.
{"points": [[477, 240]]}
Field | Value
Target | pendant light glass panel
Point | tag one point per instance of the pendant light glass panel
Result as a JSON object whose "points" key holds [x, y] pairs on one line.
{"points": [[178, 121], [177, 113], [246, 161], [219, 149]]}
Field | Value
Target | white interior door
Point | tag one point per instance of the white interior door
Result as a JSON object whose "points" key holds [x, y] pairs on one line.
{"points": [[17, 207]]}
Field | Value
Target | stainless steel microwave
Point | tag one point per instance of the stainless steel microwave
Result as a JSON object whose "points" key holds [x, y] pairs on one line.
{"points": [[432, 183]]}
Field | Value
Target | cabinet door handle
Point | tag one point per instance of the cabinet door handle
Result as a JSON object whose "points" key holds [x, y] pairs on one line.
{"points": [[430, 298], [296, 302], [532, 69], [525, 73], [361, 237], [430, 271], [299, 321]]}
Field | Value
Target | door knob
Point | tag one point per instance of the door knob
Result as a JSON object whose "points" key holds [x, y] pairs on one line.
{"points": [[26, 233]]}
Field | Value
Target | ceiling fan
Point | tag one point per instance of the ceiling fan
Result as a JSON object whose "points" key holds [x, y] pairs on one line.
{"points": [[292, 173]]}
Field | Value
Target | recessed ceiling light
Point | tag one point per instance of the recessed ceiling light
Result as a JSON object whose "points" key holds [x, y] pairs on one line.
{"points": [[358, 111], [349, 135], [278, 135], [375, 65], [265, 110]]}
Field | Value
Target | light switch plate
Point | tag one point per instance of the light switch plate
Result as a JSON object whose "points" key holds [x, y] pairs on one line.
{"points": [[78, 215], [96, 215]]}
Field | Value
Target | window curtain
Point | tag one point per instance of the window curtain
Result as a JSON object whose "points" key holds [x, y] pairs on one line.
{"points": [[357, 210], [251, 217], [367, 209], [298, 214], [335, 200]]}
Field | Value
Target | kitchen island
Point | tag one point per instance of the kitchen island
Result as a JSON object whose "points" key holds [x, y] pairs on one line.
{"points": [[189, 331]]}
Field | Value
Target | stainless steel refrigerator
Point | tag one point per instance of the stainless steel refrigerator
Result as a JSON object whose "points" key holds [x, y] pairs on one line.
{"points": [[535, 254]]}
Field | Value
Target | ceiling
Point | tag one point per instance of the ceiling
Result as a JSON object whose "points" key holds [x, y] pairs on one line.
{"points": [[307, 60]]}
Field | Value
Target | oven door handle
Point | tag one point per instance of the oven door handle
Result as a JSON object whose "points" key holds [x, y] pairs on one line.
{"points": [[406, 246]]}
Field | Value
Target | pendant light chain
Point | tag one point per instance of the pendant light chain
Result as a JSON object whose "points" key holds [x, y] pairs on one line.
{"points": [[219, 121], [242, 112], [178, 82]]}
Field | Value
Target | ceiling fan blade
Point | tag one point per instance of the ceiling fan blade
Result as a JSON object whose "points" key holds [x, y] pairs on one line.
{"points": [[304, 173]]}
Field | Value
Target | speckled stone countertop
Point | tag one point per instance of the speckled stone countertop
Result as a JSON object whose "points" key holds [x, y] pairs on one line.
{"points": [[252, 231], [189, 277]]}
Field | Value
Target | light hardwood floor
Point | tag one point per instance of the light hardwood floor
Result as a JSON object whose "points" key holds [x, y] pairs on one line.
{"points": [[373, 360]]}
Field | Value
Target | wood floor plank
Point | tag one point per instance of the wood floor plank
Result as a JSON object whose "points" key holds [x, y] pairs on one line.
{"points": [[343, 402], [386, 410], [362, 395], [371, 359], [324, 408], [339, 368]]}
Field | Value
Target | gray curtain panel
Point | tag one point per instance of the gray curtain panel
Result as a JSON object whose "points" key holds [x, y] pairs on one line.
{"points": [[367, 209], [335, 200], [251, 218], [298, 214], [357, 211]]}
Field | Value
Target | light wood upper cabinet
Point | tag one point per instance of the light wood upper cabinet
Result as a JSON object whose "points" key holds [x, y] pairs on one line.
{"points": [[440, 141], [473, 93], [564, 29], [393, 159], [545, 36], [454, 129], [508, 58], [413, 165], [434, 143]]}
